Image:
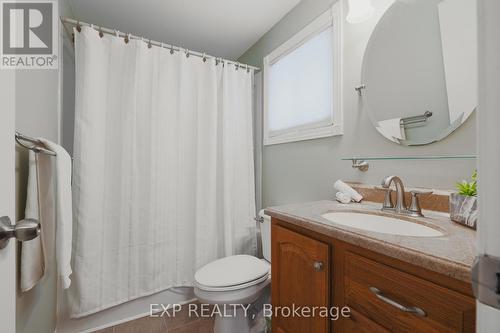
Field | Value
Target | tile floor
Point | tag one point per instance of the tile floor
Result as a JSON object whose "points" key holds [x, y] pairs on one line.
{"points": [[181, 323]]}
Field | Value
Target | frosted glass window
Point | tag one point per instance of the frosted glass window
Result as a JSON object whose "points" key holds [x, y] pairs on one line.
{"points": [[302, 83], [300, 86]]}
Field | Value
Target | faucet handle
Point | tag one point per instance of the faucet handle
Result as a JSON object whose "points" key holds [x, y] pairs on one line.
{"points": [[387, 198], [421, 191], [415, 208]]}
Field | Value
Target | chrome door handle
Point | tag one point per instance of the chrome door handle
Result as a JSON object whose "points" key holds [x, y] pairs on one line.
{"points": [[410, 309], [23, 230], [318, 266]]}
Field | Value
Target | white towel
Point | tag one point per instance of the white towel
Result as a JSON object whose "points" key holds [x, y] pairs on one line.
{"points": [[346, 189], [32, 259], [343, 198], [64, 212], [37, 254], [392, 128]]}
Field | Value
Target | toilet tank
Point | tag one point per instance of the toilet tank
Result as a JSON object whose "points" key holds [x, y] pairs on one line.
{"points": [[265, 234]]}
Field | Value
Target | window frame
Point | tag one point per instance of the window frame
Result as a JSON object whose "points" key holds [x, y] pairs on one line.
{"points": [[331, 18]]}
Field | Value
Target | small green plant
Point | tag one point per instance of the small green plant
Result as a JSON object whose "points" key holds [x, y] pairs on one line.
{"points": [[468, 189]]}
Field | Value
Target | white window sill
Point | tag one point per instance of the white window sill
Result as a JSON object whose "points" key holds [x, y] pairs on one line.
{"points": [[300, 135]]}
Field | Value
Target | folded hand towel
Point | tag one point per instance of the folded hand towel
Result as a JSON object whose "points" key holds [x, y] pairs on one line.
{"points": [[346, 189], [32, 260], [392, 128], [64, 212], [343, 198]]}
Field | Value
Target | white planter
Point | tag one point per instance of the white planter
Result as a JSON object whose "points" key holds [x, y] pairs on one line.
{"points": [[463, 209]]}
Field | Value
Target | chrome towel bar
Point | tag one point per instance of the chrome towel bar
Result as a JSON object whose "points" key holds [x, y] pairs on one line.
{"points": [[37, 146], [415, 119]]}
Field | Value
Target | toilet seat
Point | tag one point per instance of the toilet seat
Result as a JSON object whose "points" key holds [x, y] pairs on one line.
{"points": [[246, 295], [232, 273], [235, 287]]}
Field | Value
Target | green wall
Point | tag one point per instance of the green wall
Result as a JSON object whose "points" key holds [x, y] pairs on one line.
{"points": [[306, 170]]}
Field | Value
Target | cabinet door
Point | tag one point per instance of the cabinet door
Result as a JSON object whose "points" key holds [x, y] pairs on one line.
{"points": [[300, 277]]}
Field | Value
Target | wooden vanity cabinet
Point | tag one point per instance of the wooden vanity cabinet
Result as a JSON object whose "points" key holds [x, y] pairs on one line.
{"points": [[300, 276], [378, 289]]}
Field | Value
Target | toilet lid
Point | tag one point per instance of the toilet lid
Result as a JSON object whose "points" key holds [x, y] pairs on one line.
{"points": [[232, 271]]}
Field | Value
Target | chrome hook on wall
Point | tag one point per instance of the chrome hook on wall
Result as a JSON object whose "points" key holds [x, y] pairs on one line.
{"points": [[361, 165], [360, 88]]}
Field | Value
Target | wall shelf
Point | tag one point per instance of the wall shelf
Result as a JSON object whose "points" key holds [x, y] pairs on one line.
{"points": [[361, 163], [390, 158]]}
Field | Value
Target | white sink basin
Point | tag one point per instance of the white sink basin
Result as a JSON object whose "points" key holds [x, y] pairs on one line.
{"points": [[381, 224]]}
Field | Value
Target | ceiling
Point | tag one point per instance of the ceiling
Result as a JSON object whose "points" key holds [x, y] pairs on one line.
{"points": [[225, 28]]}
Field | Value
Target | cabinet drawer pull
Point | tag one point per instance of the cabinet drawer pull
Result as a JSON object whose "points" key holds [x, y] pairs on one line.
{"points": [[318, 266], [410, 309]]}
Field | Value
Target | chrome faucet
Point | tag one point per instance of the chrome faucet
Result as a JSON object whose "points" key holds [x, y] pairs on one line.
{"points": [[400, 193], [401, 207]]}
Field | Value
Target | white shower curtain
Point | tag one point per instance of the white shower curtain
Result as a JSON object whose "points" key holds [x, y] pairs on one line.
{"points": [[163, 169]]}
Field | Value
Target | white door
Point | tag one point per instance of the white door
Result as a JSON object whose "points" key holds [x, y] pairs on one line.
{"points": [[488, 130], [7, 195]]}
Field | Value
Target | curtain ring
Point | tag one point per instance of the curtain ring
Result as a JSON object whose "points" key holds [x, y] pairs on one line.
{"points": [[171, 49], [248, 68], [127, 38], [204, 57], [117, 33], [149, 44], [236, 65], [101, 34], [187, 53], [78, 26]]}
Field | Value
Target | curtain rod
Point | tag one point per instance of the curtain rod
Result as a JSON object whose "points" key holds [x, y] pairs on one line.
{"points": [[152, 42]]}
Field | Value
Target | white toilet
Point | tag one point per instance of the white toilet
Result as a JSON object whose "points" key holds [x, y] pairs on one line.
{"points": [[239, 279]]}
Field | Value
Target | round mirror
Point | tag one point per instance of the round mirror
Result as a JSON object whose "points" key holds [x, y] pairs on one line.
{"points": [[420, 70]]}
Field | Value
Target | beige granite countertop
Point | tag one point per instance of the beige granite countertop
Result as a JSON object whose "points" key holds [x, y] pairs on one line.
{"points": [[451, 254]]}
